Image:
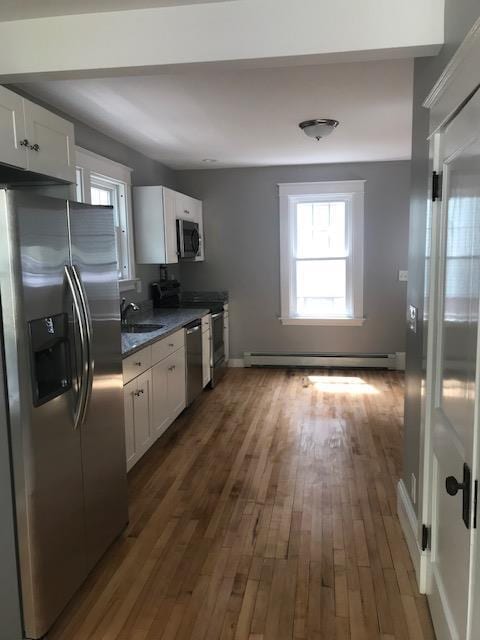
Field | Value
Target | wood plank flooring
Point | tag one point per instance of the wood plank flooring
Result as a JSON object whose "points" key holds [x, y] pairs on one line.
{"points": [[267, 512]]}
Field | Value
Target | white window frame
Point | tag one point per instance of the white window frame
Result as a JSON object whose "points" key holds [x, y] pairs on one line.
{"points": [[352, 193], [95, 168]]}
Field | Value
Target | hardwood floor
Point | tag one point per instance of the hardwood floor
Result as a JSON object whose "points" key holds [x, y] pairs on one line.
{"points": [[267, 513]]}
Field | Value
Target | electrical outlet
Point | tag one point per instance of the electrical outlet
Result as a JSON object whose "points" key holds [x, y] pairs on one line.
{"points": [[403, 276], [413, 488]]}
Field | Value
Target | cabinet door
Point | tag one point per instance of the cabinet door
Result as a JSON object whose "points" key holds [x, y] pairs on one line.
{"points": [[160, 408], [206, 355], [226, 335], [53, 142], [12, 129], [169, 207], [128, 404], [199, 218], [176, 383], [143, 413]]}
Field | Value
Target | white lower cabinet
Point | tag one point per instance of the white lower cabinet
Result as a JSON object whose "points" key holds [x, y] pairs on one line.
{"points": [[156, 397], [176, 383], [169, 391], [206, 356], [137, 397]]}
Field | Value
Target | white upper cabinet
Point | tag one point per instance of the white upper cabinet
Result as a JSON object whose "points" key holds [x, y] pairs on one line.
{"points": [[51, 143], [12, 129], [156, 210], [35, 139]]}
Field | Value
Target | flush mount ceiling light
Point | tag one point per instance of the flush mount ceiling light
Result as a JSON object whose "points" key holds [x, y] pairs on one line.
{"points": [[320, 128]]}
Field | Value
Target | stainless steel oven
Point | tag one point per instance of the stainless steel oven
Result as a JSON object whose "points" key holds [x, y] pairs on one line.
{"points": [[188, 239]]}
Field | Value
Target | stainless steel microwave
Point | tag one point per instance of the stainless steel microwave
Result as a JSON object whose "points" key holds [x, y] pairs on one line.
{"points": [[188, 239]]}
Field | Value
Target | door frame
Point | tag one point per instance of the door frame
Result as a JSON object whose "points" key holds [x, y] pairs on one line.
{"points": [[456, 85]]}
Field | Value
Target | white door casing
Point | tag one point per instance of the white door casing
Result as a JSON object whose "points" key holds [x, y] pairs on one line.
{"points": [[452, 379]]}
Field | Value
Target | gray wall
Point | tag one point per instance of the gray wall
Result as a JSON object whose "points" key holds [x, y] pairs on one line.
{"points": [[241, 221], [459, 17]]}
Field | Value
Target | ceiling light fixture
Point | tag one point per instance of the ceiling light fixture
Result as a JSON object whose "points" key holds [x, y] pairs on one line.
{"points": [[320, 128]]}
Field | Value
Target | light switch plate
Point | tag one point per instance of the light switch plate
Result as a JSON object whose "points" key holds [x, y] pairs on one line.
{"points": [[403, 276]]}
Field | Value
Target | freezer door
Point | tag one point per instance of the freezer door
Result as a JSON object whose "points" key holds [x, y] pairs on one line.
{"points": [[94, 260], [39, 353]]}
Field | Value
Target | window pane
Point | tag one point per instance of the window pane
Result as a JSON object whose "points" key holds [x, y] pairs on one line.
{"points": [[79, 184], [108, 196], [320, 229], [321, 288], [101, 196]]}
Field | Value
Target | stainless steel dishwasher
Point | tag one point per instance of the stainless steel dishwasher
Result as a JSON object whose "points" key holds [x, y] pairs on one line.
{"points": [[193, 335]]}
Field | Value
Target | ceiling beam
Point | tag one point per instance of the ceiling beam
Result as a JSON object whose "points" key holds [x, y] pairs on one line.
{"points": [[247, 32]]}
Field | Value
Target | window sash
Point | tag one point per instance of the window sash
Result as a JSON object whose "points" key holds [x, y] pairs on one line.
{"points": [[96, 171], [293, 306], [350, 192]]}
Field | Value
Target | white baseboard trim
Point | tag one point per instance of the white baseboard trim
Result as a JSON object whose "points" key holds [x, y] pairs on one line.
{"points": [[409, 524], [236, 363]]}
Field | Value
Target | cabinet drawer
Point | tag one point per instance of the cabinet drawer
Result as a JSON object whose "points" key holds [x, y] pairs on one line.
{"points": [[168, 345], [136, 364], [206, 322]]}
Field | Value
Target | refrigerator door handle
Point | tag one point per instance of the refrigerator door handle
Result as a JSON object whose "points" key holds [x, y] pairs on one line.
{"points": [[79, 408], [88, 331]]}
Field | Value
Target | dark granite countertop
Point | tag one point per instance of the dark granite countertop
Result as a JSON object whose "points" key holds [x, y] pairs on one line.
{"points": [[172, 320]]}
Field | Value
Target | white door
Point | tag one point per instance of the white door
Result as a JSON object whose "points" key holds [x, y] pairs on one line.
{"points": [[13, 149], [51, 143], [177, 387], [454, 420], [160, 414]]}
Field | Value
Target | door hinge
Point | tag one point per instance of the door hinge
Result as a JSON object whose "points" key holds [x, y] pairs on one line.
{"points": [[436, 186], [425, 537]]}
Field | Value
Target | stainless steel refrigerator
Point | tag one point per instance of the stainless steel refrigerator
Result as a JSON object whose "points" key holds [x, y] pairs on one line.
{"points": [[60, 307]]}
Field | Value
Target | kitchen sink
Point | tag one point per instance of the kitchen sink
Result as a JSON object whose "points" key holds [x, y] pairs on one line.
{"points": [[141, 328]]}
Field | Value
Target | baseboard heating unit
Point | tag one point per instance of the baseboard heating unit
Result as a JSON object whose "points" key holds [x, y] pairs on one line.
{"points": [[331, 360]]}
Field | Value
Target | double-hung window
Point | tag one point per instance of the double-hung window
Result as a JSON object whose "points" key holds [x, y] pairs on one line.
{"points": [[321, 235], [105, 182]]}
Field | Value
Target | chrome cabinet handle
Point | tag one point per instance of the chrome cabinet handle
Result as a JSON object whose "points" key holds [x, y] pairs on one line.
{"points": [[170, 344], [137, 364], [139, 393], [34, 147], [24, 143], [186, 211], [171, 368]]}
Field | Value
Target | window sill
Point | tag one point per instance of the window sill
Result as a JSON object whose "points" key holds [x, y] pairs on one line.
{"points": [[325, 322], [129, 285]]}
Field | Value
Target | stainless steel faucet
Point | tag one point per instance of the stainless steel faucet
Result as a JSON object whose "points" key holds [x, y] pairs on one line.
{"points": [[125, 308]]}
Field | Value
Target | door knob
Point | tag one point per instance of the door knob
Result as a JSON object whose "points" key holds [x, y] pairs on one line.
{"points": [[453, 487]]}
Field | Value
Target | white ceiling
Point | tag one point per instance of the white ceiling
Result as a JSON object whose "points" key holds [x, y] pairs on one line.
{"points": [[25, 9], [248, 117]]}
